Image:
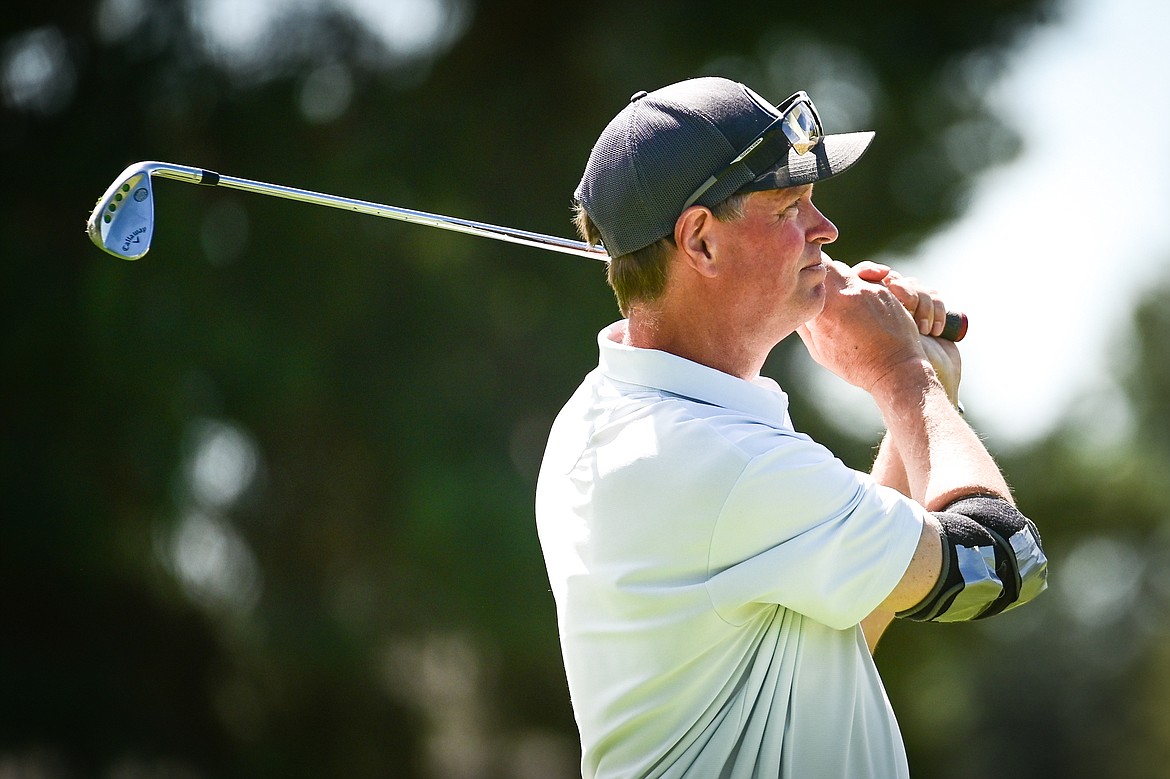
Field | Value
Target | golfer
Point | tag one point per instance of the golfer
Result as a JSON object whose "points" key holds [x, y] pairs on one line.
{"points": [[720, 578]]}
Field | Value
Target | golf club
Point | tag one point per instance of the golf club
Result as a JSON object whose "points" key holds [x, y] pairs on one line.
{"points": [[122, 221]]}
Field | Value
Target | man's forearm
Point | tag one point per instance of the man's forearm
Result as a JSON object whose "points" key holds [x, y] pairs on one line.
{"points": [[941, 458], [888, 468]]}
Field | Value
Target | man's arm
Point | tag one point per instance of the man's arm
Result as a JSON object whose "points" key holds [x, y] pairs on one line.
{"points": [[866, 336], [941, 455], [889, 470]]}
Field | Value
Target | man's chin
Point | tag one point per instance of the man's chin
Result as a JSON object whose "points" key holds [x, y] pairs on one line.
{"points": [[816, 303]]}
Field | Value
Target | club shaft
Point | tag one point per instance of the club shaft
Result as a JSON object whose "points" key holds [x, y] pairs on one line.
{"points": [[512, 235], [122, 222]]}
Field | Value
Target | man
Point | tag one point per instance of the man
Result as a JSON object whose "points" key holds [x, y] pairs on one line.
{"points": [[720, 578]]}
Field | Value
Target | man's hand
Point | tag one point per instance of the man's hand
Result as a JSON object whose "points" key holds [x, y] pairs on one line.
{"points": [[873, 320], [927, 309], [924, 304]]}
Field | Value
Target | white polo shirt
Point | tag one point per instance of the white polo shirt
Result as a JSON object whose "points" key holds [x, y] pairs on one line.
{"points": [[710, 566]]}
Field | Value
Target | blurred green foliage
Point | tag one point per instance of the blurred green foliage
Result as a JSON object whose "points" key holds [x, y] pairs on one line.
{"points": [[267, 493]]}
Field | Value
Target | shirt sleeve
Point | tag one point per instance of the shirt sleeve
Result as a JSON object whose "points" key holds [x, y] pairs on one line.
{"points": [[802, 530]]}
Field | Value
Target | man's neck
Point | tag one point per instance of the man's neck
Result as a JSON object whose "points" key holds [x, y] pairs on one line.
{"points": [[696, 339]]}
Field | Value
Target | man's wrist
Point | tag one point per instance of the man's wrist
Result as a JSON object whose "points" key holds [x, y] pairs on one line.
{"points": [[911, 380]]}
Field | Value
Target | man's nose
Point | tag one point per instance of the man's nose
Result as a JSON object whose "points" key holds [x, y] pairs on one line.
{"points": [[823, 231]]}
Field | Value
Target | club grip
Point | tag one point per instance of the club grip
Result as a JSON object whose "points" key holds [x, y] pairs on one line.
{"points": [[956, 326]]}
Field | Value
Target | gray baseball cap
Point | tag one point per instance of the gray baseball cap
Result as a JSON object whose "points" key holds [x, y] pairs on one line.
{"points": [[666, 145]]}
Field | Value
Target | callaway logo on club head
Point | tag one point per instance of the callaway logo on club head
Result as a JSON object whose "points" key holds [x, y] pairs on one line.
{"points": [[132, 238]]}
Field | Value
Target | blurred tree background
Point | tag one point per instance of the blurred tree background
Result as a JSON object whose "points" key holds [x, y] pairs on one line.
{"points": [[267, 493]]}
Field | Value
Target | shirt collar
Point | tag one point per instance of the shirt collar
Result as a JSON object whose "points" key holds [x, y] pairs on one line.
{"points": [[654, 369]]}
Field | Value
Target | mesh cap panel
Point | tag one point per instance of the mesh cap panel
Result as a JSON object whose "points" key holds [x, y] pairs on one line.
{"points": [[663, 145]]}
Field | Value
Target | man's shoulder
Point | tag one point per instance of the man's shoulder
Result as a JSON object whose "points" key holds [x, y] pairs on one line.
{"points": [[671, 418]]}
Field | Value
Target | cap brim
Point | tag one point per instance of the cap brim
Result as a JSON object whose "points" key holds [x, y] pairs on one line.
{"points": [[832, 155]]}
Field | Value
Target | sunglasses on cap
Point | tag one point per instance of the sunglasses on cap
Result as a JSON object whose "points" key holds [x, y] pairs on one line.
{"points": [[798, 128]]}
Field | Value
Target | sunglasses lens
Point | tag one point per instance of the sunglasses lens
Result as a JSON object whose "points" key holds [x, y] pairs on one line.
{"points": [[801, 127]]}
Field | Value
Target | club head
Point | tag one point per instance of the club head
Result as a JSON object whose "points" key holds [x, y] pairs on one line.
{"points": [[122, 222]]}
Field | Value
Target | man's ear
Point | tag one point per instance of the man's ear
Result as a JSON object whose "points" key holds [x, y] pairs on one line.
{"points": [[693, 234]]}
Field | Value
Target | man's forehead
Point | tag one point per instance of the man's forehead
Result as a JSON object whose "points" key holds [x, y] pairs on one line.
{"points": [[785, 194]]}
